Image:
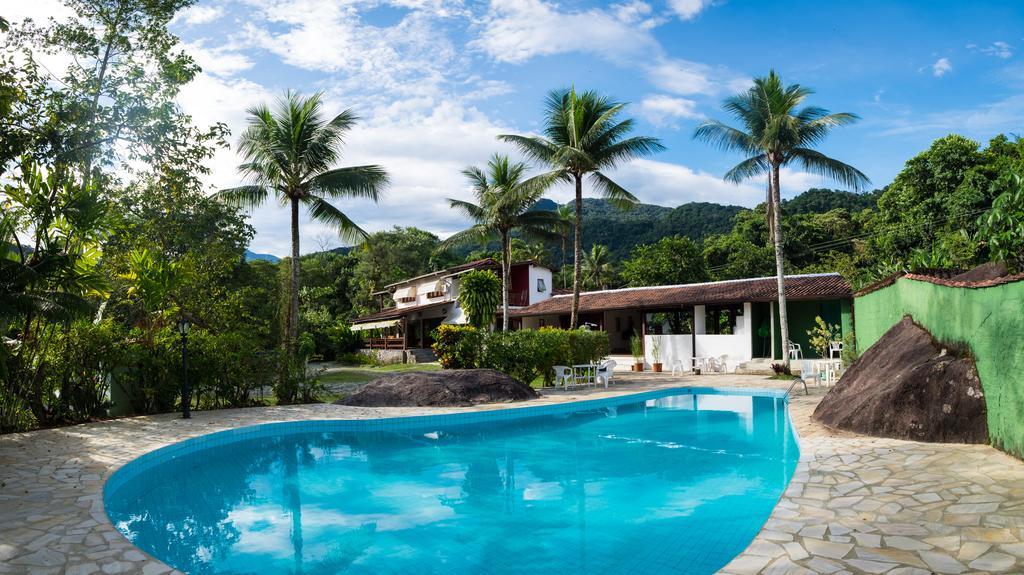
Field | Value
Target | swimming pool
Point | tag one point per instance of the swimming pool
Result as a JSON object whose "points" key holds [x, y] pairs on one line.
{"points": [[673, 481]]}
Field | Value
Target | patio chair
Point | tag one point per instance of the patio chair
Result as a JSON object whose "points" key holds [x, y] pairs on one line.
{"points": [[794, 351], [835, 349], [808, 370], [717, 364], [680, 366], [564, 376], [605, 373]]}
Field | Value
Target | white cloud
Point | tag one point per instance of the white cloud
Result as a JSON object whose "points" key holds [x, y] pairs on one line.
{"points": [[999, 50], [670, 184], [665, 111], [199, 14], [639, 13], [982, 121], [221, 61], [688, 9], [515, 31], [941, 67]]}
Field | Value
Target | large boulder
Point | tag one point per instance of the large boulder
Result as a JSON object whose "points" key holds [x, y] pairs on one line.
{"points": [[447, 388], [987, 271], [907, 386]]}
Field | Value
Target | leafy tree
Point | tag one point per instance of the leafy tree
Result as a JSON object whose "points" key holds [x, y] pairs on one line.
{"points": [[672, 260], [393, 255], [775, 133], [583, 136], [504, 205], [1002, 226], [480, 296], [289, 152], [819, 200], [597, 267], [566, 216], [535, 252]]}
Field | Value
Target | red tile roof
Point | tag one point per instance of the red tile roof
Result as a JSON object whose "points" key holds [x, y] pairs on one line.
{"points": [[798, 287]]}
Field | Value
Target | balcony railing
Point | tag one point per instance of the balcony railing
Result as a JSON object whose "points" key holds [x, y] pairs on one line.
{"points": [[519, 297], [386, 343]]}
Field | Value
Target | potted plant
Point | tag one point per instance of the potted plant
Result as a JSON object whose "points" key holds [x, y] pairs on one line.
{"points": [[656, 354], [636, 345]]}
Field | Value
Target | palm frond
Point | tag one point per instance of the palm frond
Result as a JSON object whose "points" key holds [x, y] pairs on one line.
{"points": [[614, 193], [351, 182], [245, 197], [725, 138], [749, 168], [322, 211], [817, 163]]}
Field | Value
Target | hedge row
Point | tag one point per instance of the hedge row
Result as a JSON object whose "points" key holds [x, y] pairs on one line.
{"points": [[525, 354]]}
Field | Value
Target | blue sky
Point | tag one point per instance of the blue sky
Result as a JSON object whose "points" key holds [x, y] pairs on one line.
{"points": [[436, 80]]}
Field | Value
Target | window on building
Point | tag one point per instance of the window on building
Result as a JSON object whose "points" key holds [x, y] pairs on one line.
{"points": [[670, 322], [541, 285], [721, 319]]}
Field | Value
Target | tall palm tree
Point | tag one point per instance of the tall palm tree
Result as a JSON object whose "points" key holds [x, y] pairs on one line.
{"points": [[566, 216], [775, 132], [597, 266], [583, 135], [290, 152], [505, 203]]}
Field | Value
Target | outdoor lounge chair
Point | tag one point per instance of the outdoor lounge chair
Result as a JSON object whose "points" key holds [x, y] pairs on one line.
{"points": [[835, 349], [807, 370], [564, 376], [794, 351], [605, 372]]}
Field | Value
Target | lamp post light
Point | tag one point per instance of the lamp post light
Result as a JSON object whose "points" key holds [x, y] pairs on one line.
{"points": [[186, 391]]}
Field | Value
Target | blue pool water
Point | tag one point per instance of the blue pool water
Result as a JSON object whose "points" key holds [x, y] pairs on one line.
{"points": [[676, 481]]}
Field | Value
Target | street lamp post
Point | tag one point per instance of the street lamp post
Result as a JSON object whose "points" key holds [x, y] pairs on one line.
{"points": [[186, 391]]}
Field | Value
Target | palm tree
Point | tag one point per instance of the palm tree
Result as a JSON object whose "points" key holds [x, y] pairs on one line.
{"points": [[774, 134], [504, 203], [530, 251], [564, 226], [583, 136], [597, 266], [290, 152]]}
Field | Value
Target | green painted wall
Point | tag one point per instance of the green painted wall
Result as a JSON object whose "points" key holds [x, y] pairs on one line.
{"points": [[988, 320], [801, 319]]}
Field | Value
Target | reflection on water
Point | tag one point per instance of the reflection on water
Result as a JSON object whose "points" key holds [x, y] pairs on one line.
{"points": [[676, 484]]}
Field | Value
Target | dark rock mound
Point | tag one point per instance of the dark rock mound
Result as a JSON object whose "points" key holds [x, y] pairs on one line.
{"points": [[988, 271], [448, 388], [907, 386]]}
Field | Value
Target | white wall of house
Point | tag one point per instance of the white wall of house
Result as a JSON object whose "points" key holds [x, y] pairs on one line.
{"points": [[426, 286], [539, 273], [738, 347], [535, 322]]}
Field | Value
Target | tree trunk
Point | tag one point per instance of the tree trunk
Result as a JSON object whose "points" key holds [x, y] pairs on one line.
{"points": [[506, 270], [292, 325], [775, 205], [577, 254]]}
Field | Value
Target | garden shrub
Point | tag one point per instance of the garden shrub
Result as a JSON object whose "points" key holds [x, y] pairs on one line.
{"points": [[525, 354], [457, 346]]}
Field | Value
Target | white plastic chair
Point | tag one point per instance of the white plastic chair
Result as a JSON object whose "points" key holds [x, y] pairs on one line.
{"points": [[680, 366], [794, 351], [808, 370], [564, 376], [835, 349], [716, 364], [605, 373], [723, 363]]}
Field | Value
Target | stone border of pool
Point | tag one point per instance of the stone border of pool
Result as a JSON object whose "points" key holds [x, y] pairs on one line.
{"points": [[855, 505]]}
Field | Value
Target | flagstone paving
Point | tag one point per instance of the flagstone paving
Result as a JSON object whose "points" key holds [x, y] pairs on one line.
{"points": [[856, 504]]}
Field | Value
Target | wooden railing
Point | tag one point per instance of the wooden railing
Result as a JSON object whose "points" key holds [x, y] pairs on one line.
{"points": [[386, 343]]}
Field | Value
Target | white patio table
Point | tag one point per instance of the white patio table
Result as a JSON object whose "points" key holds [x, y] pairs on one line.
{"points": [[585, 373]]}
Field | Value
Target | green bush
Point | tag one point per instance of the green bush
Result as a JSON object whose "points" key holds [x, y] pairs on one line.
{"points": [[457, 346], [525, 355]]}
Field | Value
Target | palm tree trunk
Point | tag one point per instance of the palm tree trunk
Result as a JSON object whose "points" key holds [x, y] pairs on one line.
{"points": [[776, 207], [506, 269], [293, 296], [577, 254]]}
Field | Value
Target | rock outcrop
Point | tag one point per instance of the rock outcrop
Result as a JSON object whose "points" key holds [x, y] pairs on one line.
{"points": [[447, 388], [907, 386], [988, 271]]}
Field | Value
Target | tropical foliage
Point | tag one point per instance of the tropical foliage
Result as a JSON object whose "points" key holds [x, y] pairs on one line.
{"points": [[583, 137], [776, 131], [290, 152], [479, 297]]}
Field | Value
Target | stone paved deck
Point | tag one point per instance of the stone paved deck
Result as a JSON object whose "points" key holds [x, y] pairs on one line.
{"points": [[856, 504]]}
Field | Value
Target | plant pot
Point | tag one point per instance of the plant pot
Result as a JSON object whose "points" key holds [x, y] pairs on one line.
{"points": [[638, 366], [656, 367]]}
